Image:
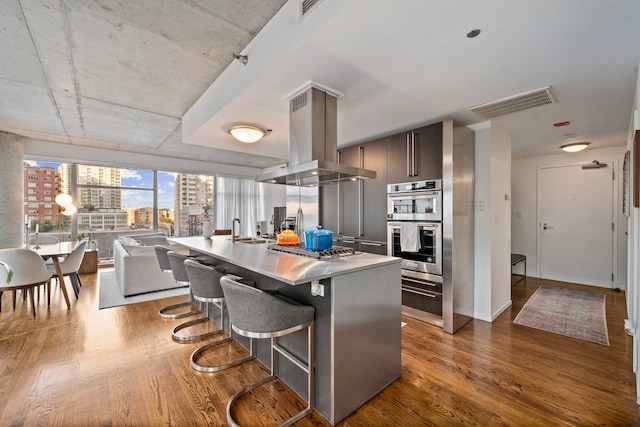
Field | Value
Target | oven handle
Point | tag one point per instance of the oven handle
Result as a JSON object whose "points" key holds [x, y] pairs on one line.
{"points": [[420, 281], [417, 291], [414, 194]]}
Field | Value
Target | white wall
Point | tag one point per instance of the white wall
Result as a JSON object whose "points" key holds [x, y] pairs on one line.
{"points": [[492, 242], [524, 203], [633, 291]]}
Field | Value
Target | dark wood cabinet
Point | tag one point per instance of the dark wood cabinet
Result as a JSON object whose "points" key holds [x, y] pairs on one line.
{"points": [[329, 207], [89, 263], [350, 194], [364, 202], [357, 211], [415, 155], [374, 209]]}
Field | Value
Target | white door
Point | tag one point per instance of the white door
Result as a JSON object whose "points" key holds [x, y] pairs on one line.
{"points": [[576, 225]]}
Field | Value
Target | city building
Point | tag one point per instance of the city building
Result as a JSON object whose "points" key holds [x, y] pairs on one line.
{"points": [[41, 185], [192, 192]]}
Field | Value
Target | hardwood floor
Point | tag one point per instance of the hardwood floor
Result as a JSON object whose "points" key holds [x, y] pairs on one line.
{"points": [[119, 366]]}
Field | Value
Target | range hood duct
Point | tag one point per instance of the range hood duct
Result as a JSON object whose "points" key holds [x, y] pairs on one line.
{"points": [[313, 148]]}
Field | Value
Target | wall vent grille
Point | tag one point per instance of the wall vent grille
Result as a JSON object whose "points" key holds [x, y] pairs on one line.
{"points": [[515, 103], [299, 102], [307, 5]]}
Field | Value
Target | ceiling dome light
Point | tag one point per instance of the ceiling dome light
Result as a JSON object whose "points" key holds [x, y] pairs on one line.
{"points": [[63, 199], [575, 147], [247, 134]]}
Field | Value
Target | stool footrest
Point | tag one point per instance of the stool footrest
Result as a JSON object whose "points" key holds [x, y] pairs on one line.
{"points": [[163, 311], [215, 368], [189, 338], [250, 387]]}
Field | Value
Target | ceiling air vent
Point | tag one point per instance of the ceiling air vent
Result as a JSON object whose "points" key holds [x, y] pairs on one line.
{"points": [[307, 5], [298, 102], [515, 103]]}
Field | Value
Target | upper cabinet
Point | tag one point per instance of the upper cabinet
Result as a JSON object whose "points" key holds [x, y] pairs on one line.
{"points": [[364, 202], [374, 204], [358, 209], [415, 155]]}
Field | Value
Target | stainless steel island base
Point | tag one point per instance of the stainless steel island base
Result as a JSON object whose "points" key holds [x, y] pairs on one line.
{"points": [[357, 338]]}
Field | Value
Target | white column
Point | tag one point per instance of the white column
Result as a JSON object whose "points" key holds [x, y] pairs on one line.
{"points": [[11, 189]]}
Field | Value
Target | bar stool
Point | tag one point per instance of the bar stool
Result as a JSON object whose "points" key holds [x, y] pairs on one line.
{"points": [[165, 312], [180, 274], [258, 314], [205, 285]]}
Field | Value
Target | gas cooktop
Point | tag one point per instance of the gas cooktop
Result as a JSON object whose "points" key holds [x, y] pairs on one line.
{"points": [[333, 252]]}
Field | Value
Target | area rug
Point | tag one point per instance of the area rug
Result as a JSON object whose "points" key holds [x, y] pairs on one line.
{"points": [[569, 312], [111, 295]]}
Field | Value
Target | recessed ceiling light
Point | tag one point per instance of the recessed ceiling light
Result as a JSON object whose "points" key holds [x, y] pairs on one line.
{"points": [[473, 33], [575, 147]]}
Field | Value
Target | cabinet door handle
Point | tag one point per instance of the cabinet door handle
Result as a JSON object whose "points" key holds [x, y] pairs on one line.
{"points": [[414, 155], [338, 204], [408, 154], [371, 244], [361, 197]]}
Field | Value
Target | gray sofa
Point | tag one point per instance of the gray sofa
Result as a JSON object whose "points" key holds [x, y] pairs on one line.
{"points": [[136, 265]]}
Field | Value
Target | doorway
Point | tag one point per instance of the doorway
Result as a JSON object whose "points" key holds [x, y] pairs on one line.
{"points": [[576, 238]]}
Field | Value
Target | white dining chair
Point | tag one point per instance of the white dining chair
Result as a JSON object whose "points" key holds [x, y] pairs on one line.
{"points": [[70, 266], [28, 269]]}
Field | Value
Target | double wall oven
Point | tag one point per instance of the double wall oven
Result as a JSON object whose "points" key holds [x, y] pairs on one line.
{"points": [[414, 233]]}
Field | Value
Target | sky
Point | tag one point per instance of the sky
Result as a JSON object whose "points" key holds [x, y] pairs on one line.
{"points": [[141, 179]]}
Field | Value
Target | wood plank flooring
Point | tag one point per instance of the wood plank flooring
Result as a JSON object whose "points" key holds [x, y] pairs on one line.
{"points": [[119, 366]]}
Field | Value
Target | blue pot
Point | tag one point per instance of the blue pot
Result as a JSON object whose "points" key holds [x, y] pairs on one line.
{"points": [[319, 239]]}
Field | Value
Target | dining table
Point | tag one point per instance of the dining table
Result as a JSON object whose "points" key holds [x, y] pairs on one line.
{"points": [[53, 251]]}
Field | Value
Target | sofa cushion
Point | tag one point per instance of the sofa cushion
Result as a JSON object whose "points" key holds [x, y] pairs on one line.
{"points": [[138, 250], [129, 241], [152, 239]]}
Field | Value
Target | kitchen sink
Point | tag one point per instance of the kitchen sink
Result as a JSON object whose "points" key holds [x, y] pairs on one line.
{"points": [[249, 240], [252, 241]]}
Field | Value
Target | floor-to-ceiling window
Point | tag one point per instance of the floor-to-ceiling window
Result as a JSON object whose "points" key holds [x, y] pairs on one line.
{"points": [[109, 201]]}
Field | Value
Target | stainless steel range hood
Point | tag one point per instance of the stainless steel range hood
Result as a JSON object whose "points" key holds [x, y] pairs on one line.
{"points": [[313, 146]]}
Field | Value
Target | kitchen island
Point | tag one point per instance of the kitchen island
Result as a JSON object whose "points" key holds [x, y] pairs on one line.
{"points": [[357, 339]]}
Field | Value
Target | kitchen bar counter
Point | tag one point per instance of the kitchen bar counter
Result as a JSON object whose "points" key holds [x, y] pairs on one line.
{"points": [[286, 268], [357, 338]]}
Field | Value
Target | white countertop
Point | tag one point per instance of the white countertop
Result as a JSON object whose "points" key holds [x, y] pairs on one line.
{"points": [[291, 269]]}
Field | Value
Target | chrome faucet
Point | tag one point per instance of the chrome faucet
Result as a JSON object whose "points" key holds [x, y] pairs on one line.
{"points": [[233, 229]]}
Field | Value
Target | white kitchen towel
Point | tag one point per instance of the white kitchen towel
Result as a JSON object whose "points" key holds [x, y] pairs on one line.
{"points": [[409, 237]]}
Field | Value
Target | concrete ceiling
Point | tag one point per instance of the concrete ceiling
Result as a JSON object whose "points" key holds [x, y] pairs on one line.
{"points": [[158, 77]]}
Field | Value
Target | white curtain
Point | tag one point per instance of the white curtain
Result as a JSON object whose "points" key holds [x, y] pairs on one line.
{"points": [[238, 198]]}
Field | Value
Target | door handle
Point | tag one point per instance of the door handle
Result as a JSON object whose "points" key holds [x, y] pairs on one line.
{"points": [[546, 227]]}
